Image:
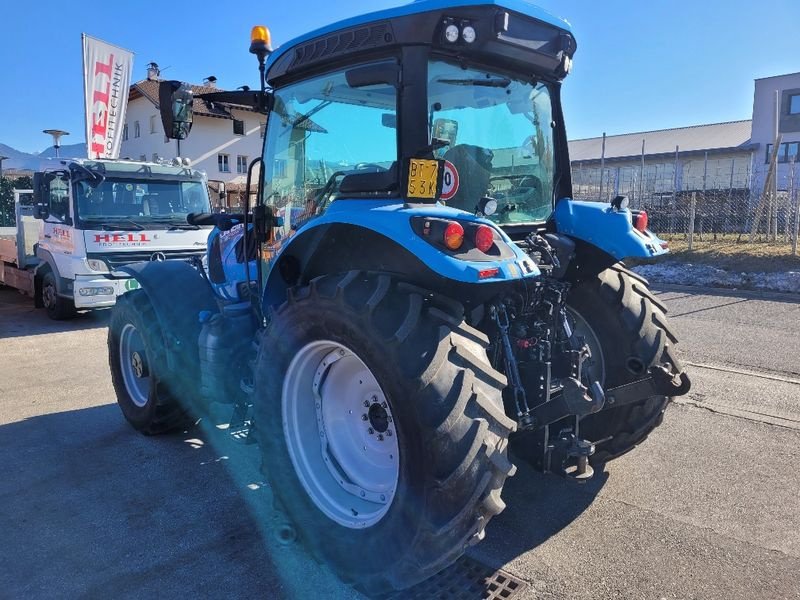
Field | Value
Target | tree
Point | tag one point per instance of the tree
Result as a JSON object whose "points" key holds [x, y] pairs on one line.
{"points": [[7, 187]]}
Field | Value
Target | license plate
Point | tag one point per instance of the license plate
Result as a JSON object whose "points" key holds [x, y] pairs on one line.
{"points": [[423, 178]]}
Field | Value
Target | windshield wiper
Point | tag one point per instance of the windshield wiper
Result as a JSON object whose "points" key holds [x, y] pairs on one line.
{"points": [[129, 225], [175, 226], [498, 82]]}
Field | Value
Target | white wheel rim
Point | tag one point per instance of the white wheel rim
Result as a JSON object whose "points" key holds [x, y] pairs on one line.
{"points": [[133, 364], [340, 434], [595, 365]]}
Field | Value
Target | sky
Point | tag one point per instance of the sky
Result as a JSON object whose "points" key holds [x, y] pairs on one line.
{"points": [[641, 64]]}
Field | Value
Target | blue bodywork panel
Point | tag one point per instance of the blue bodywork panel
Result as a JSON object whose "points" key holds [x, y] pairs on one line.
{"points": [[392, 219], [608, 229], [420, 6]]}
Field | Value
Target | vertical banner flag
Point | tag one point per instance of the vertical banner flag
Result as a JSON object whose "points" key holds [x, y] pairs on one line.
{"points": [[106, 81]]}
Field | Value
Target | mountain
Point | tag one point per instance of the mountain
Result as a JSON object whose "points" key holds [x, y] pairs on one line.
{"points": [[33, 162]]}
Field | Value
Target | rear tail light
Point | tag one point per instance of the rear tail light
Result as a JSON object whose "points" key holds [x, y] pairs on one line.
{"points": [[484, 238], [640, 221], [454, 235]]}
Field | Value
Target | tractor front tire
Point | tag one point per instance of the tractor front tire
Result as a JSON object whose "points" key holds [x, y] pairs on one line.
{"points": [[381, 427], [147, 392], [630, 324]]}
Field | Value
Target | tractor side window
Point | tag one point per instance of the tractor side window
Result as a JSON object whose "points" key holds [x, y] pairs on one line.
{"points": [[320, 131], [58, 197]]}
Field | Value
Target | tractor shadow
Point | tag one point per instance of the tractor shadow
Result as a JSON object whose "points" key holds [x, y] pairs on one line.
{"points": [[538, 507], [92, 508]]}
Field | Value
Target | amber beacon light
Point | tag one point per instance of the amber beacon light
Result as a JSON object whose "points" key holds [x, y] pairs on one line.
{"points": [[260, 40]]}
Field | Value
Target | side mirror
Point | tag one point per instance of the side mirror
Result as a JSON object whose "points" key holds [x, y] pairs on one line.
{"points": [[175, 101], [41, 207]]}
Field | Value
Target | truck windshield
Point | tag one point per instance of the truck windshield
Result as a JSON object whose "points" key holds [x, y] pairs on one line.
{"points": [[496, 133], [139, 204]]}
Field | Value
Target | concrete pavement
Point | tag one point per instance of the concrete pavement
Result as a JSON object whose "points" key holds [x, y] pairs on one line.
{"points": [[706, 508]]}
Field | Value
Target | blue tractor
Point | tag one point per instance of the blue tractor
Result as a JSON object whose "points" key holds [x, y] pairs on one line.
{"points": [[412, 291]]}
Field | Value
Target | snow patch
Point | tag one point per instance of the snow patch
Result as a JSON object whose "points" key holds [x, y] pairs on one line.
{"points": [[706, 275]]}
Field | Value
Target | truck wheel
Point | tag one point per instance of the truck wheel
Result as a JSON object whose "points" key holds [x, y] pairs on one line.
{"points": [[627, 332], [146, 392], [58, 308], [382, 428]]}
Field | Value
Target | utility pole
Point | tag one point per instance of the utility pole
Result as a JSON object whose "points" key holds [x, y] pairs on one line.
{"points": [[602, 165]]}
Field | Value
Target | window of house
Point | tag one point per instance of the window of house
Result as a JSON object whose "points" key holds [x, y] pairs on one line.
{"points": [[794, 104], [152, 123], [222, 163], [125, 132], [241, 164], [787, 152], [238, 127], [792, 150], [136, 129]]}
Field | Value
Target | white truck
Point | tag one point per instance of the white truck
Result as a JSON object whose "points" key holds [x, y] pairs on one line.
{"points": [[90, 217]]}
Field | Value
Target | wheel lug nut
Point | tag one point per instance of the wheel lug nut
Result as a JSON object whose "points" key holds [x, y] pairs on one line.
{"points": [[380, 437], [389, 418], [366, 403], [371, 431], [364, 417], [374, 398], [389, 432], [384, 405]]}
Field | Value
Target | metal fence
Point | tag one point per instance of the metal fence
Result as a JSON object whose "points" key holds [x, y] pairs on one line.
{"points": [[720, 200]]}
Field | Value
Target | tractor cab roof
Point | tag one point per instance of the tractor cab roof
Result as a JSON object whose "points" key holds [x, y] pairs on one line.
{"points": [[515, 32]]}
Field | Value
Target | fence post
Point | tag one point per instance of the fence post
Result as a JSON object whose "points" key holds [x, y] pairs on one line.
{"points": [[793, 196], [674, 194], [602, 165], [692, 208], [641, 178]]}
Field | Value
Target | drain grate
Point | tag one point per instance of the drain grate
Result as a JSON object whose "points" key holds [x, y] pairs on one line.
{"points": [[466, 579]]}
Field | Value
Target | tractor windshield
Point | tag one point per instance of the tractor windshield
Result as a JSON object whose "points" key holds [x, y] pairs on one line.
{"points": [[495, 131]]}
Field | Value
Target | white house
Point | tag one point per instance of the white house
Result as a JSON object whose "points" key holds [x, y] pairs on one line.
{"points": [[786, 89], [223, 140]]}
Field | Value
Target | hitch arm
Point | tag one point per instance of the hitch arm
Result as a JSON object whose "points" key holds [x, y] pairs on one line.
{"points": [[660, 382]]}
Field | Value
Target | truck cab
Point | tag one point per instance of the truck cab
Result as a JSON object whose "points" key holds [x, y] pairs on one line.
{"points": [[98, 215]]}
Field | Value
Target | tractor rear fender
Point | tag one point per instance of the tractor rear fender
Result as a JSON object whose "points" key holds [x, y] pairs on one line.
{"points": [[352, 235], [178, 293], [608, 229]]}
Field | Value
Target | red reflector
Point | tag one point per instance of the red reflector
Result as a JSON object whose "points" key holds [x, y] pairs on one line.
{"points": [[665, 245], [486, 273], [640, 222], [484, 238], [454, 236]]}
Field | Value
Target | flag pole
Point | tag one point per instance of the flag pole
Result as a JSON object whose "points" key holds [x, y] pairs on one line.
{"points": [[85, 99]]}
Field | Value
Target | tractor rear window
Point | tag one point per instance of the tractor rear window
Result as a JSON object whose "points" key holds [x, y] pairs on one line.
{"points": [[320, 131], [496, 133]]}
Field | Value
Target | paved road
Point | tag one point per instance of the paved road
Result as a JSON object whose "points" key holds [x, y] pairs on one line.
{"points": [[707, 508]]}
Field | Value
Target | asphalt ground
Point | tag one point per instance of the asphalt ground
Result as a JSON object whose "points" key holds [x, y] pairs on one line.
{"points": [[707, 507]]}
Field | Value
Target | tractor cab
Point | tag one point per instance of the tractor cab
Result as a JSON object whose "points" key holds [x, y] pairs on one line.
{"points": [[424, 103]]}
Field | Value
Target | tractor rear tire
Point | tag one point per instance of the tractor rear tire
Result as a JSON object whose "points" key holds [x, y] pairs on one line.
{"points": [[147, 392], [435, 472], [632, 329]]}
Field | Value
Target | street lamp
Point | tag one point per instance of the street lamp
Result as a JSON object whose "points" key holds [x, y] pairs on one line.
{"points": [[56, 133], [2, 158]]}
